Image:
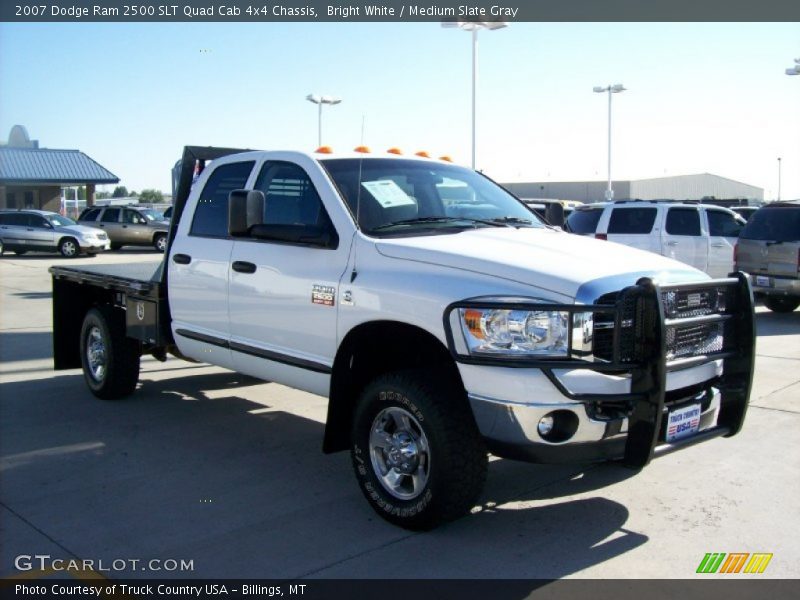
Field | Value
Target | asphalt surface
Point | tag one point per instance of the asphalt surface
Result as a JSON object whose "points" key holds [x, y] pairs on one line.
{"points": [[207, 466]]}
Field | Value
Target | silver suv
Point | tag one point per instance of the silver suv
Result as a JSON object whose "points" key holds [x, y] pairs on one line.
{"points": [[129, 226], [769, 250], [39, 230]]}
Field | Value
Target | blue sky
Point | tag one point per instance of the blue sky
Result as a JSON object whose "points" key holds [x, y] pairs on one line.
{"points": [[701, 97]]}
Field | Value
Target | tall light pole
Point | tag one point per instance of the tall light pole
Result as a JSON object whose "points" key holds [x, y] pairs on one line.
{"points": [[474, 27], [611, 89], [779, 179], [319, 101], [795, 70]]}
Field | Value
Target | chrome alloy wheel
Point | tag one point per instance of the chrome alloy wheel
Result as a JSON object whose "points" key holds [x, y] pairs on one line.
{"points": [[96, 354], [69, 248], [400, 453]]}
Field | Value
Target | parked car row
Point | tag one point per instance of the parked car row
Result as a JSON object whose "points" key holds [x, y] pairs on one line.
{"points": [[98, 229], [711, 238]]}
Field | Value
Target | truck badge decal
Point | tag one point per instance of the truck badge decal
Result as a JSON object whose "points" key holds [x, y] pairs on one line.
{"points": [[323, 294], [347, 298], [140, 311]]}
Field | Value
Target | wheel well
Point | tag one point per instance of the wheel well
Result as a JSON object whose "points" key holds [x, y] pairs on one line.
{"points": [[372, 349], [67, 237], [158, 233]]}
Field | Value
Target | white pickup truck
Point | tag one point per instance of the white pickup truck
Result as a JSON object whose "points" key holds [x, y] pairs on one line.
{"points": [[438, 315]]}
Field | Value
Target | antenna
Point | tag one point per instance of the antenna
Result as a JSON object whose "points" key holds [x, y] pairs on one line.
{"points": [[354, 273]]}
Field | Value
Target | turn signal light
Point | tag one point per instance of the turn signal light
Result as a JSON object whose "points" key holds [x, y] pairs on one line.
{"points": [[362, 149], [472, 319], [423, 154], [394, 151], [324, 150], [446, 158]]}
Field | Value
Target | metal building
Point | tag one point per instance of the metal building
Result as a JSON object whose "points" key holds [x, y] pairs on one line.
{"points": [[679, 187]]}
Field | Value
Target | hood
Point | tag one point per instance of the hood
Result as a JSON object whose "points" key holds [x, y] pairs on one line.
{"points": [[79, 229], [549, 260]]}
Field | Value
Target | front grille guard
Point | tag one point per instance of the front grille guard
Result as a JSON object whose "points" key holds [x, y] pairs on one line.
{"points": [[639, 349]]}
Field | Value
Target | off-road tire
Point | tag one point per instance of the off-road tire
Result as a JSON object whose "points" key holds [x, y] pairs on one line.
{"points": [[457, 458], [781, 304], [121, 354]]}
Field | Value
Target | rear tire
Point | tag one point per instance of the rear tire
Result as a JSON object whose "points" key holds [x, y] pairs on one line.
{"points": [[160, 242], [109, 358], [69, 248], [116, 246], [781, 304], [417, 453]]}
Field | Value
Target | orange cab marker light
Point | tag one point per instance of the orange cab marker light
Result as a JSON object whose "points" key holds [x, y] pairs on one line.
{"points": [[446, 158], [324, 150], [394, 151], [362, 149], [423, 154]]}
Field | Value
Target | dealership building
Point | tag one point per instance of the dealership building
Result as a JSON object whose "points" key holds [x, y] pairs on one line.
{"points": [[679, 187], [34, 177]]}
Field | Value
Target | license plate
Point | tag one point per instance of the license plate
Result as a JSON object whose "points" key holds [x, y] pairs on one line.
{"points": [[683, 422], [762, 281]]}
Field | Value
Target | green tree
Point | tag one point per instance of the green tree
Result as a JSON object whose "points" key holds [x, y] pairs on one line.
{"points": [[120, 192], [102, 195], [151, 197]]}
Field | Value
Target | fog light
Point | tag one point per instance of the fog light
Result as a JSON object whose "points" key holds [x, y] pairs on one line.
{"points": [[546, 425]]}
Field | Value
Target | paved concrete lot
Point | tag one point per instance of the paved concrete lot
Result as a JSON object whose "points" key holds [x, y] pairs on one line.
{"points": [[202, 464]]}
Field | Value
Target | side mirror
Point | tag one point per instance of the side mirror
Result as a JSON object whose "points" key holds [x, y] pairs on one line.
{"points": [[245, 209]]}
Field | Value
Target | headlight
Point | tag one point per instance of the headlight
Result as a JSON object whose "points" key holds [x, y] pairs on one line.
{"points": [[493, 331]]}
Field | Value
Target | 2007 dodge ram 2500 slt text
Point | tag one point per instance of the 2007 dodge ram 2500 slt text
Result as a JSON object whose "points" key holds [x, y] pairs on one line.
{"points": [[440, 317]]}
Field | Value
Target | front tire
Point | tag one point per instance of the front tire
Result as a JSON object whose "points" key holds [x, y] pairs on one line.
{"points": [[160, 242], [417, 453], [109, 358], [781, 304], [69, 248]]}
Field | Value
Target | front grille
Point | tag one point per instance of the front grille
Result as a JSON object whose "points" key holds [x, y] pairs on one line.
{"points": [[683, 340]]}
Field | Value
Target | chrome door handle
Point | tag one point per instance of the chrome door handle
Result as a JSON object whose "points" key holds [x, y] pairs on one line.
{"points": [[672, 243], [717, 245]]}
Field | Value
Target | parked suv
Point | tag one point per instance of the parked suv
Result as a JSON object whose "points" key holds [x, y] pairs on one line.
{"points": [[39, 230], [769, 250], [129, 226], [701, 235]]}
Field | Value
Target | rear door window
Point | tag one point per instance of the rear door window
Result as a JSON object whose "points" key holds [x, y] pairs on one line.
{"points": [[90, 215], [632, 220], [110, 216], [584, 221], [211, 214], [722, 224], [683, 221]]}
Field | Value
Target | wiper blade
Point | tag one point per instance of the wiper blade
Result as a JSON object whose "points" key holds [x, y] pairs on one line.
{"points": [[492, 223], [516, 220]]}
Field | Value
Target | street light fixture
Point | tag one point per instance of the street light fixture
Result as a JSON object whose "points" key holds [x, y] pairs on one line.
{"points": [[611, 89], [474, 27], [795, 70], [319, 101]]}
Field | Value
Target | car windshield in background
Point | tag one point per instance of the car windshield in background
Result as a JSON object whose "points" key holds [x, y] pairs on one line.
{"points": [[584, 221], [404, 197], [59, 221], [151, 215], [774, 224]]}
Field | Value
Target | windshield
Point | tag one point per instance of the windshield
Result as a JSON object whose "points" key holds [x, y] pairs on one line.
{"points": [[410, 197], [151, 215], [780, 224], [59, 221]]}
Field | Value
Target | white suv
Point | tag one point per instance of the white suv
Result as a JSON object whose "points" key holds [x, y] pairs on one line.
{"points": [[701, 235]]}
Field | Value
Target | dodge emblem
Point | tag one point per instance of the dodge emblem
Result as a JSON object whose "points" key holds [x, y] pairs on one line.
{"points": [[140, 311]]}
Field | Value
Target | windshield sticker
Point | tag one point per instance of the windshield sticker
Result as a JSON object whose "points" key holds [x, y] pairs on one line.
{"points": [[388, 193]]}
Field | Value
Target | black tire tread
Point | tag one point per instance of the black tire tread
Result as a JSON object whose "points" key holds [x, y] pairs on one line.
{"points": [[781, 305], [124, 354], [460, 445]]}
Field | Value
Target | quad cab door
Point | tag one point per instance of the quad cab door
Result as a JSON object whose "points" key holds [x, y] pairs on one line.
{"points": [[284, 291], [682, 238], [200, 266]]}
